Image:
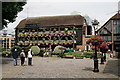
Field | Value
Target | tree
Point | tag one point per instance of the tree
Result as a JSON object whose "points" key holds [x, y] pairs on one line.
{"points": [[10, 11]]}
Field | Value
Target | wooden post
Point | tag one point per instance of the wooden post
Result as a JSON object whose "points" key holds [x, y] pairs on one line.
{"points": [[112, 35]]}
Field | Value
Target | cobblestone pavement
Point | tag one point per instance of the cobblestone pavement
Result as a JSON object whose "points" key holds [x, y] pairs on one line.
{"points": [[48, 67]]}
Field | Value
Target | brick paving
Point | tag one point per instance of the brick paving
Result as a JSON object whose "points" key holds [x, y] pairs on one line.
{"points": [[48, 67]]}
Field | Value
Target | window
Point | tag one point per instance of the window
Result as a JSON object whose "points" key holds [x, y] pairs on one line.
{"points": [[104, 31], [116, 26], [109, 25]]}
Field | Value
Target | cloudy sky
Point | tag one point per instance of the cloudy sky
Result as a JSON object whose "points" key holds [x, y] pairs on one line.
{"points": [[100, 10]]}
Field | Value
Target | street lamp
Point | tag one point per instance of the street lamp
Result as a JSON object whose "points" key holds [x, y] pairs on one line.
{"points": [[95, 26]]}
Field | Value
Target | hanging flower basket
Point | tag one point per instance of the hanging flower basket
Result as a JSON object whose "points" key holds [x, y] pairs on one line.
{"points": [[33, 30], [52, 43], [18, 43], [70, 43], [46, 43], [104, 47], [95, 40]]}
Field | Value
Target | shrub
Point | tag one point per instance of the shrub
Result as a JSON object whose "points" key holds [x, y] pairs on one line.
{"points": [[26, 49], [88, 53], [41, 53], [83, 56], [76, 54], [3, 49], [55, 56], [62, 55], [19, 49], [118, 55], [58, 49], [35, 49], [6, 53]]}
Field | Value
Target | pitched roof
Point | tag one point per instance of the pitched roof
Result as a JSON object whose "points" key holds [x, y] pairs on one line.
{"points": [[53, 21], [116, 16]]}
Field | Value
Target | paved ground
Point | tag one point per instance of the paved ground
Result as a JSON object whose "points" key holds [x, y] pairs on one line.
{"points": [[0, 67], [60, 68]]}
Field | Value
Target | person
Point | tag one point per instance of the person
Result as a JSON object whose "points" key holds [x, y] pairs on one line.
{"points": [[22, 57], [30, 57], [15, 56]]}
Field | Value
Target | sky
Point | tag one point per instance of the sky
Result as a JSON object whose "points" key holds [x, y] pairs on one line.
{"points": [[95, 9]]}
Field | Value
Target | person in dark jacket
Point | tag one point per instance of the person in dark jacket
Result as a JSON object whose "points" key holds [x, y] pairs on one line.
{"points": [[15, 56]]}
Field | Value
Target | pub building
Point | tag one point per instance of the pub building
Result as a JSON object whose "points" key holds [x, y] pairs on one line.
{"points": [[47, 32], [110, 32]]}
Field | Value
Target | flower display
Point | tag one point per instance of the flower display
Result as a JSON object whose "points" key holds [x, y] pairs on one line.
{"points": [[104, 46], [95, 40]]}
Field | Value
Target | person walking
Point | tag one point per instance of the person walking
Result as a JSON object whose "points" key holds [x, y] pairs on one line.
{"points": [[15, 56], [22, 57], [30, 57]]}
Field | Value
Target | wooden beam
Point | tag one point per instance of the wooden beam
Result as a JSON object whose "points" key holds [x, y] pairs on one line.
{"points": [[112, 35], [108, 30]]}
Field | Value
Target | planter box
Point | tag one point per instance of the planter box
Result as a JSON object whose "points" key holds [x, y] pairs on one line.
{"points": [[69, 56], [78, 57]]}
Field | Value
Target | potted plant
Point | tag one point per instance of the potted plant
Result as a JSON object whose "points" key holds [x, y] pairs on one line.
{"points": [[54, 38], [66, 38], [43, 39], [66, 30], [33, 39]]}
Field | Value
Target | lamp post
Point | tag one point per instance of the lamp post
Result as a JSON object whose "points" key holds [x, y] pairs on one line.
{"points": [[95, 26]]}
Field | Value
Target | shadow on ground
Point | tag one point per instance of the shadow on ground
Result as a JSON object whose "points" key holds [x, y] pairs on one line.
{"points": [[88, 69], [112, 67]]}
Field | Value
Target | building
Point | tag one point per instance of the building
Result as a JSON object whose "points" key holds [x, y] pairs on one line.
{"points": [[110, 32], [6, 42], [48, 32]]}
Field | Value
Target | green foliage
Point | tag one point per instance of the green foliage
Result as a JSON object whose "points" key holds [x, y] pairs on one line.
{"points": [[23, 40], [79, 55], [83, 56], [66, 38], [118, 55], [76, 54], [41, 53], [62, 55], [26, 49], [6, 53], [3, 49], [33, 39], [10, 11], [58, 50], [35, 49], [19, 49], [88, 54], [54, 38], [55, 56], [0, 49]]}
